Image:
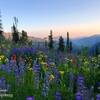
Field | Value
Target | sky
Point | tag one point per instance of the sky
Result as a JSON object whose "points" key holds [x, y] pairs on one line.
{"points": [[37, 17]]}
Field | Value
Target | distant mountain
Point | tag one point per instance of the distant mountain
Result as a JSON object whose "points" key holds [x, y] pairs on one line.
{"points": [[84, 41], [78, 42], [7, 35], [87, 41], [93, 48], [35, 39]]}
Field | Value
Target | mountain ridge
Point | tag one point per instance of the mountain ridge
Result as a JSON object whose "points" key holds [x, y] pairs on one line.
{"points": [[82, 41]]}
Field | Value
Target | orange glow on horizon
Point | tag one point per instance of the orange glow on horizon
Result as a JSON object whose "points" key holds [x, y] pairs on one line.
{"points": [[75, 31]]}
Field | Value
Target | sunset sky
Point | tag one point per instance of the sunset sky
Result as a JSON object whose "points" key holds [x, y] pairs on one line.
{"points": [[37, 17]]}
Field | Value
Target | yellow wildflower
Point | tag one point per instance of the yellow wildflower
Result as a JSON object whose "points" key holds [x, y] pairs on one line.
{"points": [[30, 69], [61, 72], [52, 64], [51, 77]]}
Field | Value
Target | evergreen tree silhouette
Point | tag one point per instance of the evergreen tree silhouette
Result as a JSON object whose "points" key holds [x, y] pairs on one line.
{"points": [[24, 38], [68, 42], [1, 29], [51, 42], [70, 47], [15, 33], [61, 44]]}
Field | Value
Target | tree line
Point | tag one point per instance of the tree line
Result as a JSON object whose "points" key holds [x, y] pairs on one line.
{"points": [[22, 38], [61, 44]]}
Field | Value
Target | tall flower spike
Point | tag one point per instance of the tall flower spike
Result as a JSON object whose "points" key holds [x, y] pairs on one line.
{"points": [[30, 98], [98, 97], [78, 96], [58, 96]]}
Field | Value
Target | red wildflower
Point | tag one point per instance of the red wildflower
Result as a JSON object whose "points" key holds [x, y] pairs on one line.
{"points": [[14, 57]]}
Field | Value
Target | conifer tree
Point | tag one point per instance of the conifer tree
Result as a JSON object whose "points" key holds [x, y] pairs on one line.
{"points": [[61, 44], [71, 47], [68, 42], [15, 33], [1, 29], [24, 38], [51, 42]]}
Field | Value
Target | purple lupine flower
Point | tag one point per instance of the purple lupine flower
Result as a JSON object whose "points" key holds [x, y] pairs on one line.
{"points": [[3, 79], [17, 75], [12, 64], [80, 83], [36, 69], [8, 70], [78, 96], [36, 80], [91, 91], [44, 92], [0, 81], [3, 83], [30, 98], [21, 67], [98, 97], [36, 66], [58, 96], [98, 86], [16, 72], [81, 79], [57, 75], [3, 67], [85, 93], [71, 77], [46, 84], [14, 50]]}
